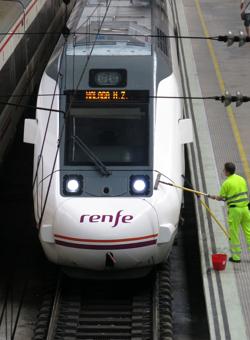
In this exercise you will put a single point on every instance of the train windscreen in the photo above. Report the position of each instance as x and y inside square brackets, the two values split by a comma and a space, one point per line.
[114, 134]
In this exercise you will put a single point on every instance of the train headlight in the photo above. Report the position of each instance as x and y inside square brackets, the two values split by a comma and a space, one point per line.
[139, 185]
[72, 185]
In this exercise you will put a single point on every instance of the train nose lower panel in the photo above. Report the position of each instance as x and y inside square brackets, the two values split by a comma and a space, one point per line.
[102, 236]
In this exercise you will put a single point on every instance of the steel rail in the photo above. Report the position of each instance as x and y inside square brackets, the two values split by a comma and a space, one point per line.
[55, 310]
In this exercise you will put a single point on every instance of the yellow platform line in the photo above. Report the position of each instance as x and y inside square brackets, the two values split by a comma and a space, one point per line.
[230, 112]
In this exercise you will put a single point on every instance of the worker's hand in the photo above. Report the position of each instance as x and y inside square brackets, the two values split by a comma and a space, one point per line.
[212, 197]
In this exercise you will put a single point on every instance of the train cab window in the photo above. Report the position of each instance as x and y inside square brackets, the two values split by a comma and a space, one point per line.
[116, 135]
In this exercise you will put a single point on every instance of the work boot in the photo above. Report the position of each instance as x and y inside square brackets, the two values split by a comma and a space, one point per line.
[231, 259]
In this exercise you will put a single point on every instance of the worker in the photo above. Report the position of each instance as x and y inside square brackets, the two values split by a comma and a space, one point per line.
[235, 193]
[245, 14]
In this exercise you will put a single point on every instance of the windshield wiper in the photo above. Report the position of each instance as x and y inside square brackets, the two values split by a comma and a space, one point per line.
[99, 164]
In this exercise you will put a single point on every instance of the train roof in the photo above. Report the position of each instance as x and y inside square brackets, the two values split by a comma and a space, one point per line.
[120, 11]
[118, 33]
[125, 31]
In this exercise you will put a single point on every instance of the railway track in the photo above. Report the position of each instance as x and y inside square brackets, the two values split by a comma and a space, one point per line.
[135, 309]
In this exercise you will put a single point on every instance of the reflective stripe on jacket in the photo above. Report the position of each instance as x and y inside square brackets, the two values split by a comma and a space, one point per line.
[234, 191]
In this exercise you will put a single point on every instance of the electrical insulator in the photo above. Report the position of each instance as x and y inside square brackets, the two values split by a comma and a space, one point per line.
[230, 38]
[242, 38]
[239, 98]
[227, 98]
[65, 32]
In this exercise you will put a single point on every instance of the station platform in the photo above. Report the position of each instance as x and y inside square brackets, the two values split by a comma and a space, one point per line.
[221, 135]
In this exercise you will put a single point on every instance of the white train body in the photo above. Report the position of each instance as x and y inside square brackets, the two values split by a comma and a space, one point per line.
[97, 211]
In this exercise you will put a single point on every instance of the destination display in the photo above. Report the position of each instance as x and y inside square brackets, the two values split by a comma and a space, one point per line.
[115, 95]
[81, 97]
[106, 95]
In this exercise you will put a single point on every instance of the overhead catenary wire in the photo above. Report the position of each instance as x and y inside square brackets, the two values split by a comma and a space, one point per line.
[32, 107]
[68, 110]
[230, 37]
[65, 32]
[75, 33]
[65, 35]
[227, 98]
[155, 97]
[49, 116]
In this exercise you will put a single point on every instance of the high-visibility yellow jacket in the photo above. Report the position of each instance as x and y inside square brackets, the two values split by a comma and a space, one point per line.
[234, 191]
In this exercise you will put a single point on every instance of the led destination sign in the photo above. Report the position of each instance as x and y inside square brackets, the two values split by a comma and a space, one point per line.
[105, 95]
[115, 96]
[81, 97]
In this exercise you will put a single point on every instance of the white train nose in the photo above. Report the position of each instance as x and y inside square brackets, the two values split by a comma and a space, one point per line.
[103, 234]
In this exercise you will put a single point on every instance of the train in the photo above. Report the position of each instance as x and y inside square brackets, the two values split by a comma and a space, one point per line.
[109, 129]
[25, 48]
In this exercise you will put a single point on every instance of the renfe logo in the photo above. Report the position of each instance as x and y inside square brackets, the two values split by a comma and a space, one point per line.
[107, 218]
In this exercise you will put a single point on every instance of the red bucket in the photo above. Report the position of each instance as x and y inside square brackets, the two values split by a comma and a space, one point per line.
[219, 261]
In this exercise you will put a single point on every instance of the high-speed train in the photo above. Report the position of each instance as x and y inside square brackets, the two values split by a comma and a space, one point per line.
[105, 131]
